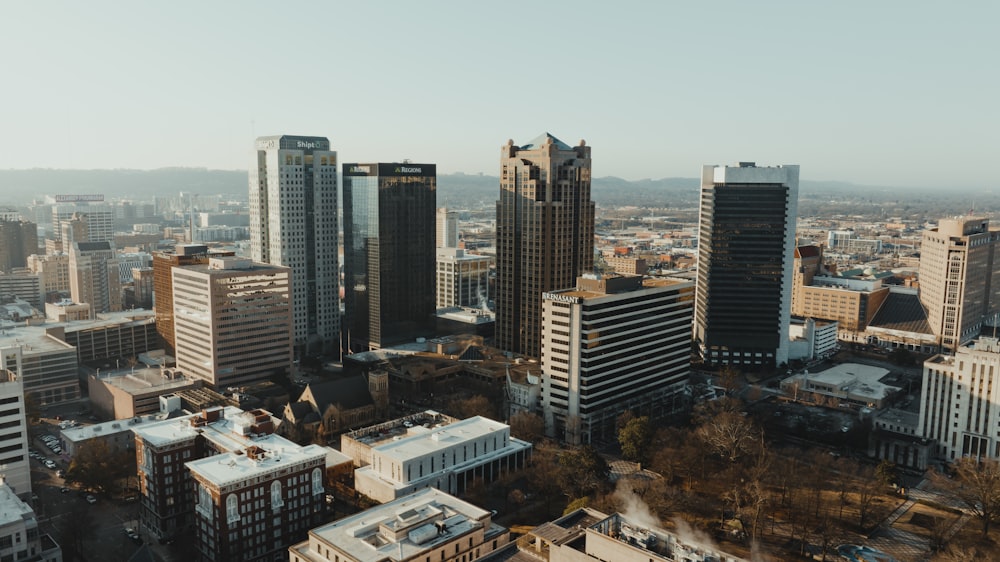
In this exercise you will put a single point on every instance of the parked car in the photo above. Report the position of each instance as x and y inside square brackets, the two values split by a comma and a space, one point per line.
[132, 534]
[91, 499]
[50, 465]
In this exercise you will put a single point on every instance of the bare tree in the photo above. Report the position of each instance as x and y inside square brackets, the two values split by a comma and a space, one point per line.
[977, 485]
[730, 434]
[527, 426]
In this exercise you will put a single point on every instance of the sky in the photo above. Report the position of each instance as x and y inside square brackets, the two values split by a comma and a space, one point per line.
[889, 93]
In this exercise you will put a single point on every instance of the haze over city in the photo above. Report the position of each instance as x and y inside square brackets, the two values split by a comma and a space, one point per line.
[888, 93]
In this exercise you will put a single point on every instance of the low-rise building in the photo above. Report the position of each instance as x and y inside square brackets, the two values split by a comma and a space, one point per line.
[126, 393]
[117, 434]
[446, 457]
[47, 365]
[848, 383]
[20, 536]
[424, 525]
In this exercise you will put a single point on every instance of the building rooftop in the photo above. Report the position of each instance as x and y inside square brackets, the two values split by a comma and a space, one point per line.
[397, 428]
[85, 432]
[263, 456]
[141, 381]
[402, 529]
[428, 440]
[902, 311]
[32, 340]
[12, 509]
[542, 139]
[229, 432]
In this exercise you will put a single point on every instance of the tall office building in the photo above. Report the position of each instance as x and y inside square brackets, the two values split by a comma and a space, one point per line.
[545, 234]
[610, 345]
[94, 277]
[53, 269]
[462, 279]
[99, 219]
[293, 222]
[18, 240]
[746, 244]
[232, 321]
[15, 471]
[960, 278]
[389, 255]
[447, 228]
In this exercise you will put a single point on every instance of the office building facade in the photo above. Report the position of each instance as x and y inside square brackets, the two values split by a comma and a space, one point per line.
[18, 240]
[462, 279]
[610, 345]
[163, 287]
[98, 223]
[232, 321]
[545, 234]
[293, 223]
[447, 228]
[959, 398]
[746, 244]
[13, 418]
[960, 278]
[94, 277]
[389, 252]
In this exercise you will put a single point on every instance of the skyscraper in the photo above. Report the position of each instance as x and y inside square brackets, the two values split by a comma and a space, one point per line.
[960, 278]
[447, 228]
[94, 277]
[18, 240]
[389, 252]
[545, 233]
[746, 244]
[293, 222]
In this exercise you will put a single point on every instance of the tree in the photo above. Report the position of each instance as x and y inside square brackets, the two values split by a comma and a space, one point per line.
[576, 504]
[730, 434]
[527, 426]
[97, 467]
[477, 405]
[583, 471]
[32, 411]
[635, 437]
[977, 485]
[886, 472]
[516, 498]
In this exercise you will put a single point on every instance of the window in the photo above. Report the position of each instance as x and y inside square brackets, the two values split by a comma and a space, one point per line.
[232, 509]
[317, 481]
[276, 501]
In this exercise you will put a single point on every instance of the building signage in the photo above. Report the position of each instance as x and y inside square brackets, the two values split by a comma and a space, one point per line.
[360, 169]
[408, 170]
[77, 198]
[561, 298]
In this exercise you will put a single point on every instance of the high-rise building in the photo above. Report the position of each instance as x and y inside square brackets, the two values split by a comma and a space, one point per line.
[545, 234]
[21, 537]
[94, 277]
[447, 228]
[232, 321]
[18, 240]
[53, 269]
[99, 220]
[960, 278]
[389, 255]
[610, 345]
[16, 470]
[163, 286]
[746, 245]
[293, 223]
[462, 279]
[958, 403]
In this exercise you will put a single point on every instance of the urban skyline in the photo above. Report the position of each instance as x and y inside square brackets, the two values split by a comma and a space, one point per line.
[886, 94]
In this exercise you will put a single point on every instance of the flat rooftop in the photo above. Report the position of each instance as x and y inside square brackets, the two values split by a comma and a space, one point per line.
[12, 509]
[266, 455]
[402, 529]
[32, 340]
[223, 432]
[142, 381]
[85, 432]
[420, 443]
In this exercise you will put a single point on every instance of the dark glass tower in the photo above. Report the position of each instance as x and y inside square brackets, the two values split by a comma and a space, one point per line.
[389, 253]
[746, 242]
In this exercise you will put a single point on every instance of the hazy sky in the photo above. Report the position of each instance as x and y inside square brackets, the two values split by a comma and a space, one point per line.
[875, 92]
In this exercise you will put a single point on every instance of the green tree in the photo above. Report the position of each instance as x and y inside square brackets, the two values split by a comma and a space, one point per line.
[576, 504]
[635, 438]
[885, 472]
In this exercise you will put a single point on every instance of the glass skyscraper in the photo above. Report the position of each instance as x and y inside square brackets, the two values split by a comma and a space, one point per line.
[389, 253]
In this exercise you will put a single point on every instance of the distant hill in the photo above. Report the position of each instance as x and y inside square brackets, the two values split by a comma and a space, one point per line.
[468, 190]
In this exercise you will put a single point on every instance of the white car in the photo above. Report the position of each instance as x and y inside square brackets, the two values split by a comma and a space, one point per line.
[91, 499]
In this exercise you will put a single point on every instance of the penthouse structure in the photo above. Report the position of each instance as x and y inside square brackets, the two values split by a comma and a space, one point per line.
[960, 278]
[190, 466]
[232, 321]
[425, 525]
[960, 394]
[745, 249]
[613, 344]
[444, 457]
[544, 233]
